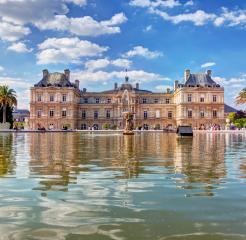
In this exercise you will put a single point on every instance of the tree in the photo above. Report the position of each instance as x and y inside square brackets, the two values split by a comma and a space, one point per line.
[7, 98]
[241, 98]
[9, 115]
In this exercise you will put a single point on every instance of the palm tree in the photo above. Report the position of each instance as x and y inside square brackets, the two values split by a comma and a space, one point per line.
[241, 98]
[7, 98]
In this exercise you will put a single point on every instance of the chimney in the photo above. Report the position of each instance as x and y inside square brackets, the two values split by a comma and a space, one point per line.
[45, 72]
[209, 73]
[137, 85]
[168, 90]
[77, 83]
[67, 74]
[115, 86]
[176, 83]
[84, 90]
[186, 74]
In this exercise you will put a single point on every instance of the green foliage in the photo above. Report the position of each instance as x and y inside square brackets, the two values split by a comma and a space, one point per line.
[113, 127]
[157, 126]
[66, 126]
[232, 116]
[106, 126]
[7, 99]
[240, 123]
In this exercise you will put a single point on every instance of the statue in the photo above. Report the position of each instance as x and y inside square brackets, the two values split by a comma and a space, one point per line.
[129, 124]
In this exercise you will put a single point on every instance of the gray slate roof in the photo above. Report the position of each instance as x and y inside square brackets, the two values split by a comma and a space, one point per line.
[229, 109]
[201, 79]
[55, 79]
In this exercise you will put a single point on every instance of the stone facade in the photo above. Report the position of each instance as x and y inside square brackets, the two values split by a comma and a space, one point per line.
[57, 103]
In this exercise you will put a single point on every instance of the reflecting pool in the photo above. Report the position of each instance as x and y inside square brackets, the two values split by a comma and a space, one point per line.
[108, 186]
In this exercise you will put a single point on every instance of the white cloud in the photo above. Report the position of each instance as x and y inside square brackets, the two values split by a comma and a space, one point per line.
[208, 64]
[1, 68]
[156, 3]
[121, 62]
[97, 64]
[103, 76]
[143, 52]
[148, 28]
[19, 47]
[31, 11]
[12, 32]
[231, 18]
[77, 2]
[92, 65]
[234, 82]
[198, 18]
[14, 82]
[189, 3]
[163, 87]
[67, 50]
[84, 26]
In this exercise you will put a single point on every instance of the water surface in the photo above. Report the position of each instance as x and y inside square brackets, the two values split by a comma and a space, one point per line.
[97, 186]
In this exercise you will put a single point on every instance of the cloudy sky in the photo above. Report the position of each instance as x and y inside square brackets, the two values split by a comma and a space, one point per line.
[156, 40]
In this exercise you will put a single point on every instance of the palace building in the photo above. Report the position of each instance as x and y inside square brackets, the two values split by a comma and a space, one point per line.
[57, 103]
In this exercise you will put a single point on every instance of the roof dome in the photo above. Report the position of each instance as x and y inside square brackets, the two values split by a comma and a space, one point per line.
[55, 79]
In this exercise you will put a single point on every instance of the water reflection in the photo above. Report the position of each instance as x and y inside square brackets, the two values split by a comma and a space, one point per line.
[7, 163]
[100, 186]
[62, 157]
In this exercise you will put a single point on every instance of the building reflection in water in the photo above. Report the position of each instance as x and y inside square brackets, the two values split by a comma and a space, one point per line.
[201, 160]
[7, 162]
[62, 157]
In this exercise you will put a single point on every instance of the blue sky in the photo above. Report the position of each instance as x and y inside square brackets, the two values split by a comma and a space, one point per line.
[156, 40]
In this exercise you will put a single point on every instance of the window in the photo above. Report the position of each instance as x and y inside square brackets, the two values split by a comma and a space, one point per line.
[108, 114]
[39, 113]
[214, 113]
[157, 114]
[64, 112]
[144, 100]
[156, 100]
[52, 113]
[51, 98]
[86, 100]
[83, 114]
[64, 97]
[202, 114]
[39, 98]
[167, 100]
[170, 114]
[97, 100]
[214, 98]
[189, 113]
[109, 100]
[201, 99]
[83, 127]
[189, 97]
[145, 114]
[95, 114]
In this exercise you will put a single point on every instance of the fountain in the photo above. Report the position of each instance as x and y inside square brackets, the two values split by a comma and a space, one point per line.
[128, 116]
